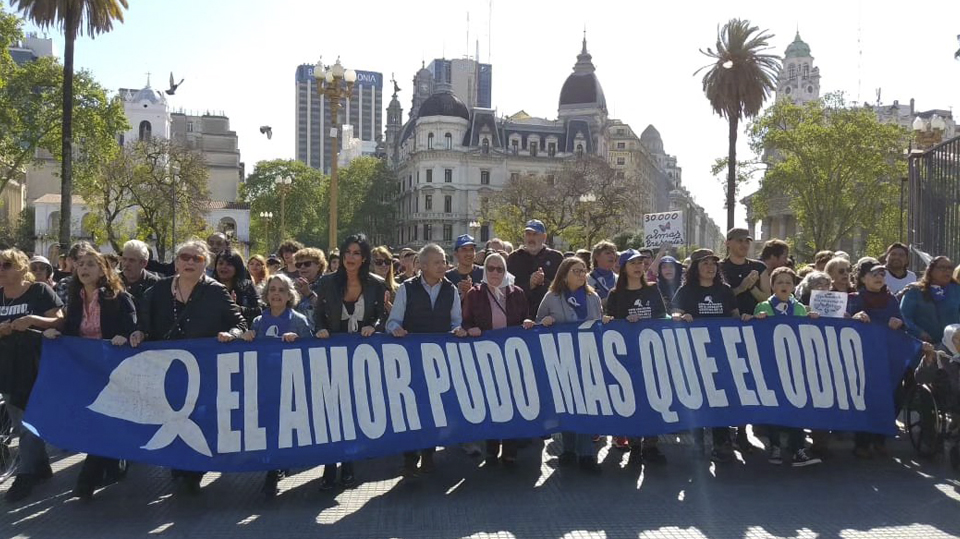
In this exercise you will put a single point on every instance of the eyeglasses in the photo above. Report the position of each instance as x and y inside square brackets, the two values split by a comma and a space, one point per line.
[843, 271]
[578, 271]
[6, 265]
[495, 269]
[187, 257]
[380, 262]
[304, 264]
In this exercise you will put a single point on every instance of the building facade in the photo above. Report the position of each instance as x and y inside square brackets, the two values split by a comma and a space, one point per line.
[471, 81]
[363, 110]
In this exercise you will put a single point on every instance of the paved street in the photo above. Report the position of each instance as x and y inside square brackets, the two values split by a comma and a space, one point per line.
[897, 498]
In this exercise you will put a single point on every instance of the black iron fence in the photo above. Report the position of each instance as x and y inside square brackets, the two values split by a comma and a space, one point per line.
[933, 200]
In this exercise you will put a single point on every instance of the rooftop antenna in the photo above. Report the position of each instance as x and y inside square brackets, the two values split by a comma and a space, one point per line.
[489, 31]
[859, 47]
[467, 51]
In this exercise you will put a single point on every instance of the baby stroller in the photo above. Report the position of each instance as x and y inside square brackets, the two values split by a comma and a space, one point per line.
[932, 407]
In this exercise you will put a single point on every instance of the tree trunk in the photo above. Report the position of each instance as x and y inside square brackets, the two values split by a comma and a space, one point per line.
[66, 161]
[732, 170]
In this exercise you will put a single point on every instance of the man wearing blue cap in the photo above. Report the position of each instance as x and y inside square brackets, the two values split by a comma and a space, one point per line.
[466, 274]
[534, 265]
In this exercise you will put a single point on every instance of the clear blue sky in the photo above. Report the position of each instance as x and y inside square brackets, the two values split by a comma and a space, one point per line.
[239, 57]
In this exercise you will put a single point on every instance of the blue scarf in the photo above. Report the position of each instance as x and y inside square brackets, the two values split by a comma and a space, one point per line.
[938, 292]
[578, 301]
[782, 308]
[606, 280]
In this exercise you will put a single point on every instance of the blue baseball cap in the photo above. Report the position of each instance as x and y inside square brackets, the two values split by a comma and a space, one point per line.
[463, 240]
[631, 254]
[535, 225]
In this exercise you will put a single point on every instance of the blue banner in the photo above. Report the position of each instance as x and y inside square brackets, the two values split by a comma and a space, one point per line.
[203, 405]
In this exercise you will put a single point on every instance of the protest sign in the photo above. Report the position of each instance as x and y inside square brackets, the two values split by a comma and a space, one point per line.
[660, 228]
[828, 304]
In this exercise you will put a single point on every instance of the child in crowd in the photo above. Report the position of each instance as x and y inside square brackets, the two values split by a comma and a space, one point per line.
[782, 303]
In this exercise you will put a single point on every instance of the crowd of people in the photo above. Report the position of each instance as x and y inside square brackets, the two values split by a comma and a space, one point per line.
[209, 291]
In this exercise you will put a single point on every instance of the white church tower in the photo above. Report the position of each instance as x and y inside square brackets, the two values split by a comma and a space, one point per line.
[799, 80]
[147, 113]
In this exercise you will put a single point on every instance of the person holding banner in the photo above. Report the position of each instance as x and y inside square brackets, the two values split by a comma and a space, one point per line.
[189, 305]
[349, 301]
[669, 279]
[603, 277]
[571, 299]
[491, 304]
[933, 303]
[99, 308]
[382, 264]
[231, 273]
[783, 303]
[534, 265]
[426, 303]
[634, 299]
[310, 265]
[704, 294]
[25, 304]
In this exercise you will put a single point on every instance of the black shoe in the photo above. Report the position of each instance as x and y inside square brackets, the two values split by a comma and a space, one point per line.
[347, 480]
[269, 488]
[653, 455]
[45, 473]
[84, 491]
[568, 458]
[327, 483]
[801, 459]
[191, 485]
[509, 462]
[426, 463]
[589, 465]
[721, 456]
[21, 488]
[636, 457]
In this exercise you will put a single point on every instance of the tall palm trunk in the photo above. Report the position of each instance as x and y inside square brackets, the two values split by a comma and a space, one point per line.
[732, 169]
[66, 169]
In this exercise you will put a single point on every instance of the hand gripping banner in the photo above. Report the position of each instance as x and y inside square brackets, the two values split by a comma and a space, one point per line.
[203, 405]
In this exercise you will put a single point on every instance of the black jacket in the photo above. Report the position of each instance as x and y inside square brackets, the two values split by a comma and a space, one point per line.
[139, 288]
[20, 353]
[118, 316]
[208, 312]
[248, 300]
[329, 304]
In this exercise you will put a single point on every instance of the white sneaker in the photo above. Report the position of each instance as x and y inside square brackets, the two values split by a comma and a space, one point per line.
[775, 457]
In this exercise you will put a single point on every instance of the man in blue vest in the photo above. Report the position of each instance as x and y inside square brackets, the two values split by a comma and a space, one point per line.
[427, 303]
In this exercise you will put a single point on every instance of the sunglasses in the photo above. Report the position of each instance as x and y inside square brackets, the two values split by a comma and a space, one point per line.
[879, 273]
[304, 264]
[380, 262]
[843, 271]
[187, 257]
[495, 269]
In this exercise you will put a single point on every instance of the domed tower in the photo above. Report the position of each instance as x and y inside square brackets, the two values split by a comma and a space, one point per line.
[423, 88]
[799, 80]
[582, 99]
[146, 112]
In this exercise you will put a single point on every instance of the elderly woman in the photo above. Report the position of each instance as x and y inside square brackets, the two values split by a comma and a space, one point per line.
[99, 308]
[25, 305]
[933, 303]
[230, 272]
[571, 299]
[188, 305]
[838, 268]
[310, 263]
[491, 304]
[349, 301]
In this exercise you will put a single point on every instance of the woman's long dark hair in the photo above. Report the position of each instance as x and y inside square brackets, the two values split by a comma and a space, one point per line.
[236, 260]
[669, 287]
[692, 276]
[364, 272]
[623, 281]
[927, 278]
[109, 283]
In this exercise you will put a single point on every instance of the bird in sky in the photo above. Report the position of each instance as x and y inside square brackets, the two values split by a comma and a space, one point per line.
[173, 87]
[266, 130]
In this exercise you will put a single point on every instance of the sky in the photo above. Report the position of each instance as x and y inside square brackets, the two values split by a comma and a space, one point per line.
[239, 58]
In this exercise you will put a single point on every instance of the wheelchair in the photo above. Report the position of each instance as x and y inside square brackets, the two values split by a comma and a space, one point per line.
[931, 418]
[7, 453]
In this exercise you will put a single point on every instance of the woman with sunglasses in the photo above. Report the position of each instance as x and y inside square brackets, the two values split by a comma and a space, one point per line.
[229, 271]
[42, 270]
[309, 263]
[349, 301]
[571, 299]
[495, 303]
[838, 268]
[188, 305]
[24, 305]
[933, 303]
[101, 309]
[383, 266]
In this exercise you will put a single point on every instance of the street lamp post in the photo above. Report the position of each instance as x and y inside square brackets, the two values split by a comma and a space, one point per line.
[266, 216]
[335, 83]
[282, 185]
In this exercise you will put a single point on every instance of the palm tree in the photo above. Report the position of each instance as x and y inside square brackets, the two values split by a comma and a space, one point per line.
[72, 17]
[737, 83]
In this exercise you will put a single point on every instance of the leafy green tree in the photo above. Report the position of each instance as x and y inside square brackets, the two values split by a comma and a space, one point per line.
[110, 196]
[305, 220]
[839, 166]
[376, 215]
[73, 17]
[737, 82]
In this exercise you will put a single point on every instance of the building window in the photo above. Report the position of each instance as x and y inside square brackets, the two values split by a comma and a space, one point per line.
[485, 233]
[806, 70]
[619, 130]
[448, 175]
[447, 232]
[515, 146]
[416, 232]
[426, 232]
[428, 202]
[621, 145]
[579, 150]
[533, 149]
[552, 149]
[429, 175]
[792, 71]
[189, 127]
[486, 146]
[146, 131]
[448, 140]
[430, 141]
[621, 161]
[448, 204]
[484, 177]
[514, 176]
[551, 179]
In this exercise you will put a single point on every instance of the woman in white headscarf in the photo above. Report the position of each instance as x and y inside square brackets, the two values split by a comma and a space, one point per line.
[496, 303]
